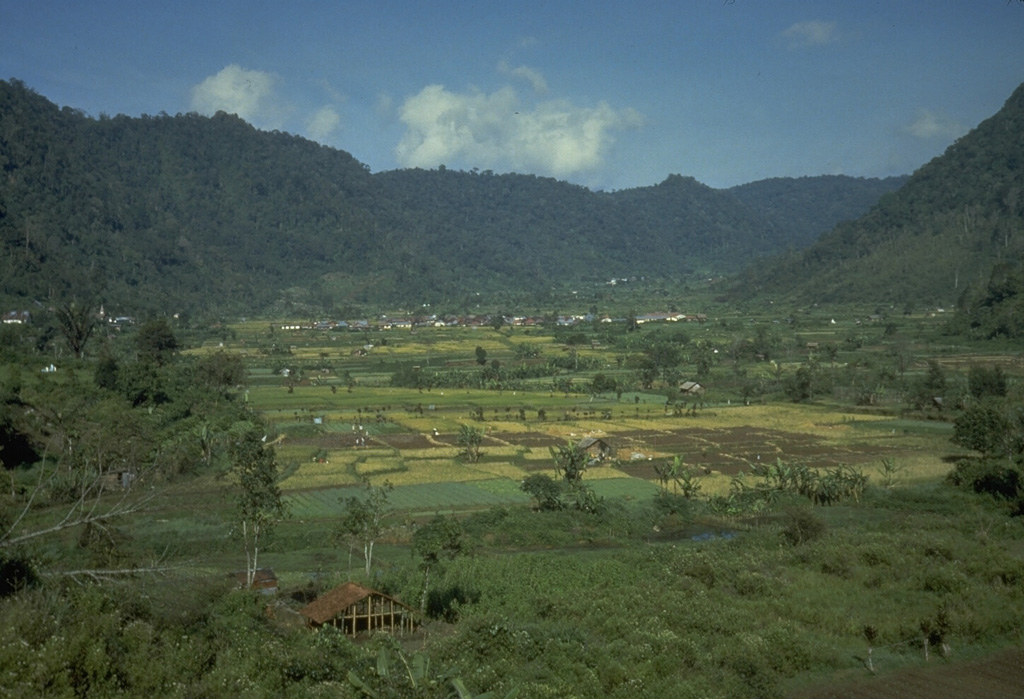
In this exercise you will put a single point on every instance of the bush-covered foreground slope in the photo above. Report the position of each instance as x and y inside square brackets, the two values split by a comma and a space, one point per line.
[615, 609]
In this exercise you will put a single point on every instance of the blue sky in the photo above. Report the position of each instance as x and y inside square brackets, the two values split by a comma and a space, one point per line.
[610, 95]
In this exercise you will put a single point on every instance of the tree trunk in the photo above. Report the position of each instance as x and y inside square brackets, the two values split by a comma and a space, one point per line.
[248, 554]
[426, 584]
[368, 555]
[255, 553]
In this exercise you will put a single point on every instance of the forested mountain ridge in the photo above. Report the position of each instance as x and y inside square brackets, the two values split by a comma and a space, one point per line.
[938, 240]
[167, 212]
[161, 214]
[807, 206]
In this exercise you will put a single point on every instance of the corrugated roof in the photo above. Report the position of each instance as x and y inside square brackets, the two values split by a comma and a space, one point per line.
[333, 602]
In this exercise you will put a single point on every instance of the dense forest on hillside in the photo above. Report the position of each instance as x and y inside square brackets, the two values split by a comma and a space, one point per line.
[806, 206]
[167, 213]
[936, 240]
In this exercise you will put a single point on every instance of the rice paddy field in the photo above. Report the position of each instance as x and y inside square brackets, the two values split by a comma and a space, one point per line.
[339, 422]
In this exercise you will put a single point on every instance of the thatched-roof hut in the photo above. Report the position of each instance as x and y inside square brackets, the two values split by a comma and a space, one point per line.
[354, 609]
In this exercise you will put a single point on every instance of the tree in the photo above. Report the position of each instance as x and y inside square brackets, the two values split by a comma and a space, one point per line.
[220, 370]
[570, 462]
[77, 322]
[364, 518]
[985, 427]
[88, 483]
[646, 369]
[704, 358]
[682, 478]
[92, 504]
[440, 538]
[470, 439]
[259, 503]
[832, 352]
[546, 491]
[663, 356]
[602, 383]
[156, 342]
[986, 381]
[935, 380]
[481, 355]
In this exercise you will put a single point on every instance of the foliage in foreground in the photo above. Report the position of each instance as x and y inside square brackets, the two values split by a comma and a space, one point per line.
[657, 614]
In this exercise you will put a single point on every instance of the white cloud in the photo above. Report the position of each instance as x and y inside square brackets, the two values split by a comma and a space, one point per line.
[931, 125]
[810, 33]
[323, 123]
[246, 93]
[496, 131]
[536, 80]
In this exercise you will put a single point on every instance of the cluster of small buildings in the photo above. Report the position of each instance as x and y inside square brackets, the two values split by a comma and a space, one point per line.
[17, 318]
[480, 321]
[669, 318]
[25, 317]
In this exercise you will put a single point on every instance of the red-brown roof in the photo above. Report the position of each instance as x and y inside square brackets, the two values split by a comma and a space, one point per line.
[333, 602]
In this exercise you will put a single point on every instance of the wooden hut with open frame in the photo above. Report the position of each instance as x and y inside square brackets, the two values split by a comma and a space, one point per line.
[355, 609]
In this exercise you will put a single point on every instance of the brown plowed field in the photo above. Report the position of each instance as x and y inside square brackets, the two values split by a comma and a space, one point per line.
[727, 451]
[407, 441]
[1000, 676]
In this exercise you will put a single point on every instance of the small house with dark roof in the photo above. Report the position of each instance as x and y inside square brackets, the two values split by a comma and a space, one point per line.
[595, 448]
[691, 388]
[355, 609]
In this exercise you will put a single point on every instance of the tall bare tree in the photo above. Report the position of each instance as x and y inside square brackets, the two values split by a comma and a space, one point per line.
[77, 322]
[260, 504]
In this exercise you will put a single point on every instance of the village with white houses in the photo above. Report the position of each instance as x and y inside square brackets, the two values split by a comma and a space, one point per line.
[410, 322]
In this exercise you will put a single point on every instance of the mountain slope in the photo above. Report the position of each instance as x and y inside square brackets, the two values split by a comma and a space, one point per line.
[807, 207]
[955, 219]
[160, 214]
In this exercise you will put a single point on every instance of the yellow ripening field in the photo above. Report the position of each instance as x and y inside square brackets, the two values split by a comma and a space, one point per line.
[805, 419]
[320, 475]
[432, 471]
[510, 426]
[433, 453]
[536, 455]
[372, 466]
[510, 450]
[348, 456]
[598, 473]
[914, 467]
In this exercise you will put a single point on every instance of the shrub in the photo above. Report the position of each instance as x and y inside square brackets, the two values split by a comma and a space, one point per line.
[16, 573]
[545, 490]
[752, 584]
[445, 603]
[802, 526]
[990, 476]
